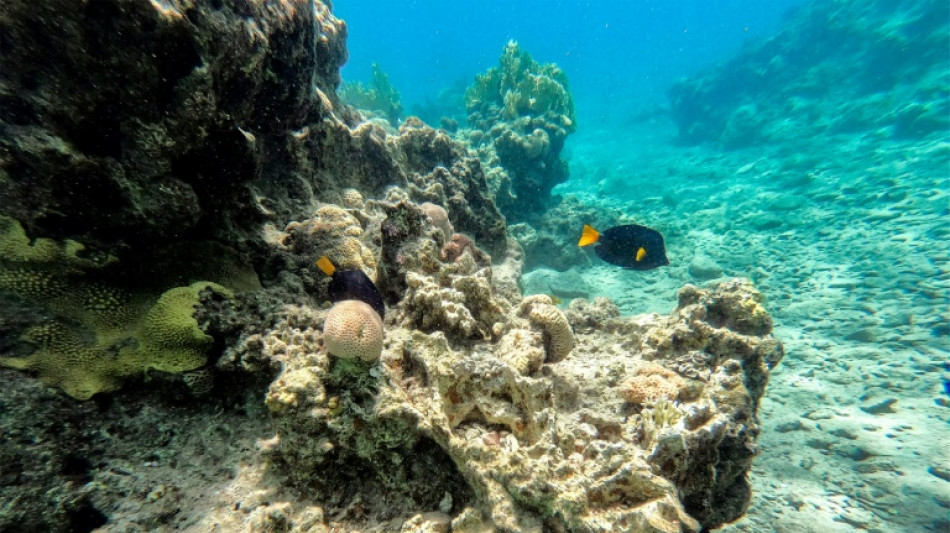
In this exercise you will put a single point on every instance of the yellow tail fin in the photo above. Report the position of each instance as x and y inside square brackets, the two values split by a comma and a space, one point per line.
[589, 236]
[326, 265]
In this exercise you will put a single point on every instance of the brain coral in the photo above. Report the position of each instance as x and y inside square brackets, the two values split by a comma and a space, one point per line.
[558, 335]
[353, 330]
[439, 217]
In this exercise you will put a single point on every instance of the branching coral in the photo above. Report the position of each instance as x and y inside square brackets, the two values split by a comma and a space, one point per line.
[521, 87]
[522, 113]
[379, 96]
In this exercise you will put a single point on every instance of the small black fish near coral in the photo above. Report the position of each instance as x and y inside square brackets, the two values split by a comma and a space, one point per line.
[352, 285]
[633, 247]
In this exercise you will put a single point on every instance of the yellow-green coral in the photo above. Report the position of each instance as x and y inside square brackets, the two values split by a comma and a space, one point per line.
[83, 360]
[170, 336]
[63, 358]
[100, 335]
[16, 247]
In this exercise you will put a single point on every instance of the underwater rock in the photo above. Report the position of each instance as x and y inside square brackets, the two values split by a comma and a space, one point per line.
[442, 171]
[152, 133]
[332, 232]
[545, 236]
[522, 443]
[703, 268]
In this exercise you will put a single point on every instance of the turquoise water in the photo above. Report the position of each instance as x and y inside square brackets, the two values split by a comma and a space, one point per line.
[808, 151]
[619, 56]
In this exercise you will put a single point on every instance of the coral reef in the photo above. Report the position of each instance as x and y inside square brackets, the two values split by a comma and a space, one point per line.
[475, 409]
[531, 444]
[521, 113]
[441, 171]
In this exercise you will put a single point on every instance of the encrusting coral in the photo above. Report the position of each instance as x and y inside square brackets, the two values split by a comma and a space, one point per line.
[90, 358]
[652, 382]
[353, 330]
[100, 335]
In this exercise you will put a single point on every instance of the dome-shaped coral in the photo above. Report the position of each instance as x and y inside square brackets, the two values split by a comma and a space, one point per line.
[439, 217]
[353, 330]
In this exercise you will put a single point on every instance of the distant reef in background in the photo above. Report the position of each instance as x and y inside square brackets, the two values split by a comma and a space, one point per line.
[835, 67]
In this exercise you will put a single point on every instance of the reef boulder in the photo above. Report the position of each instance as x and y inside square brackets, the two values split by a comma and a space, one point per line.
[647, 424]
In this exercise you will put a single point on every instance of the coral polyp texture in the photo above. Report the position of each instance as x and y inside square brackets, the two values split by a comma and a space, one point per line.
[353, 330]
[559, 338]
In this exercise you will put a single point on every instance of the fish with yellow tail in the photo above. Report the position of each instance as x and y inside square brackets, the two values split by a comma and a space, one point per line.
[351, 285]
[633, 247]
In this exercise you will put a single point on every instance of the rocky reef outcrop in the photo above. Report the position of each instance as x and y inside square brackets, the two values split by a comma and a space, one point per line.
[777, 90]
[169, 173]
[505, 436]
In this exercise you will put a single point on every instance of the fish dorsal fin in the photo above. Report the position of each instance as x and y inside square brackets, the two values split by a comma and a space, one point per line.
[588, 236]
[641, 253]
[326, 265]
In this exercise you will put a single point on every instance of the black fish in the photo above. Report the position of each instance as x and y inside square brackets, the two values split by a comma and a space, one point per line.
[633, 246]
[352, 285]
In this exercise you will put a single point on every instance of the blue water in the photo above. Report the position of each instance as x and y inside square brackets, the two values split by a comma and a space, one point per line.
[618, 55]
